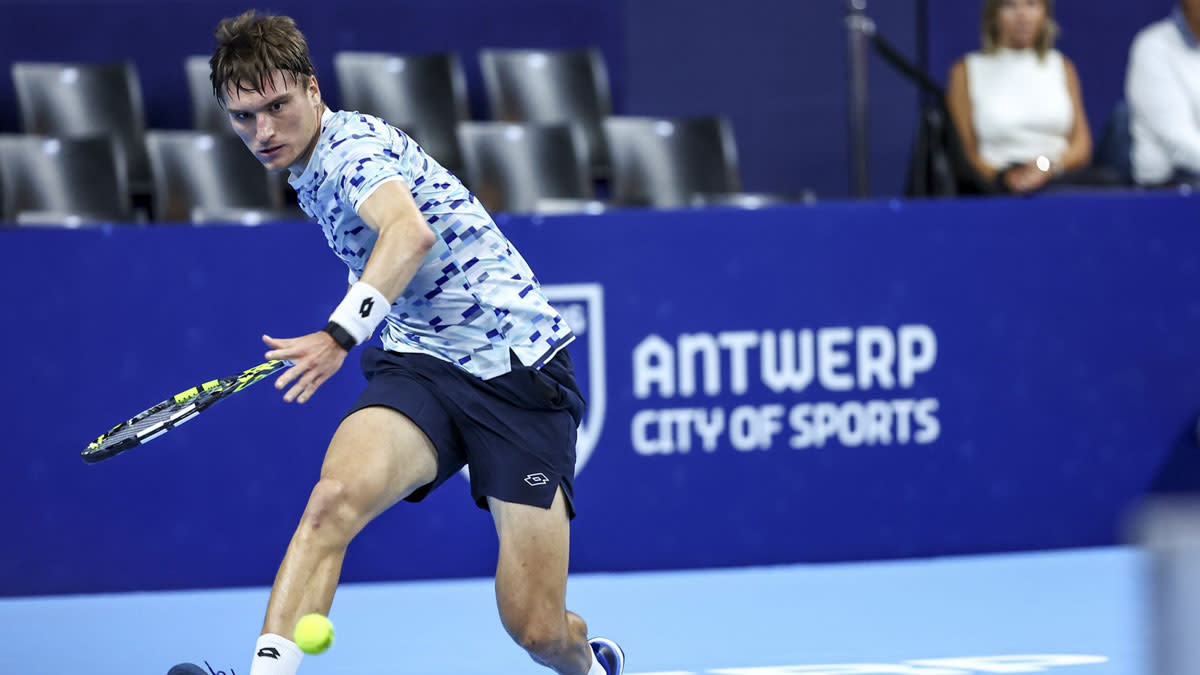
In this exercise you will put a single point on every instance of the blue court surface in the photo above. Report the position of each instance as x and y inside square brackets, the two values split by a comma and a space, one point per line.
[1074, 612]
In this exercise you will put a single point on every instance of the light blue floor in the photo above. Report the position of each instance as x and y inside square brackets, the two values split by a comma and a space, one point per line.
[889, 618]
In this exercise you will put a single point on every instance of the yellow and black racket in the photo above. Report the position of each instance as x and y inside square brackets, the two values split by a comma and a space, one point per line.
[174, 411]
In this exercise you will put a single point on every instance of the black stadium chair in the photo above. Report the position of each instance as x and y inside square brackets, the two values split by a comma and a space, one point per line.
[207, 114]
[667, 162]
[424, 95]
[87, 99]
[551, 86]
[201, 177]
[61, 181]
[511, 166]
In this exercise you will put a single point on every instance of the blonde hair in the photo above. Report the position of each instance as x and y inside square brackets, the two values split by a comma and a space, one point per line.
[990, 28]
[251, 46]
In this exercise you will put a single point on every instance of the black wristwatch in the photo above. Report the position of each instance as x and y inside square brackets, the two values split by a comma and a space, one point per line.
[345, 340]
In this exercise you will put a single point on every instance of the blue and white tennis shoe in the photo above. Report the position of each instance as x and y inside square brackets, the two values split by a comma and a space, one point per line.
[609, 654]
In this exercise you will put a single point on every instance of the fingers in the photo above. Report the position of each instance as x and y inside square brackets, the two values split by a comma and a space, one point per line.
[280, 348]
[305, 388]
[316, 358]
[307, 380]
[288, 375]
[310, 379]
[1024, 181]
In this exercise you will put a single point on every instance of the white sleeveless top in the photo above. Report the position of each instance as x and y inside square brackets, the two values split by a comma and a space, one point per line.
[1020, 105]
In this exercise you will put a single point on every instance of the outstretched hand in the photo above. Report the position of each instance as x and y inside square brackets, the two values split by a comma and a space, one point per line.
[317, 358]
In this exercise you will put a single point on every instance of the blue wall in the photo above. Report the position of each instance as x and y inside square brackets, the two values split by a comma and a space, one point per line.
[778, 68]
[1036, 368]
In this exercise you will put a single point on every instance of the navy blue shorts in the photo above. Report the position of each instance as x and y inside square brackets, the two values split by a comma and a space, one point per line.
[515, 432]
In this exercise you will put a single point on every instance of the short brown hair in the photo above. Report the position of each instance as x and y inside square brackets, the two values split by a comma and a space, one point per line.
[252, 46]
[1044, 41]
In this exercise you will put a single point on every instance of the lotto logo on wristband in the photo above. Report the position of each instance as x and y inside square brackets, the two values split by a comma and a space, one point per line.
[360, 312]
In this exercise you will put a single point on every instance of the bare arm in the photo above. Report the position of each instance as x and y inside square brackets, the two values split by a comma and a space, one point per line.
[1079, 148]
[958, 103]
[404, 238]
[404, 241]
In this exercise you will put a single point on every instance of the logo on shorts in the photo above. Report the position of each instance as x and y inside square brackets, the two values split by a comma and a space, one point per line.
[536, 479]
[582, 305]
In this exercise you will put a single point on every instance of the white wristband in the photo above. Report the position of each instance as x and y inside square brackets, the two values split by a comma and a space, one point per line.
[361, 311]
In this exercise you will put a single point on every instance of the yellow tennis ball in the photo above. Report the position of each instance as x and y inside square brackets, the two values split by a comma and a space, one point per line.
[313, 634]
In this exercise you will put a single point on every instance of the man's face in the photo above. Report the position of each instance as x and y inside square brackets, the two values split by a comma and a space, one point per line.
[281, 123]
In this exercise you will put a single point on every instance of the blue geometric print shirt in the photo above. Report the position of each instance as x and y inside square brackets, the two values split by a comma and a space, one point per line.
[474, 298]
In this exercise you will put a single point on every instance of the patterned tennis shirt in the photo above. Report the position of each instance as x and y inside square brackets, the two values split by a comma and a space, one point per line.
[474, 298]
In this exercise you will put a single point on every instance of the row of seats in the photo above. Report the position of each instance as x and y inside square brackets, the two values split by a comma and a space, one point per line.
[197, 177]
[512, 167]
[560, 140]
[424, 94]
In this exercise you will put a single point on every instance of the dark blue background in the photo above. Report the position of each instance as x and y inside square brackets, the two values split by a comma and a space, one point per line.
[777, 68]
[1066, 376]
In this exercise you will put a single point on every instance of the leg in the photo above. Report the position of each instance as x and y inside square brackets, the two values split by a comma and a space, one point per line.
[531, 584]
[376, 458]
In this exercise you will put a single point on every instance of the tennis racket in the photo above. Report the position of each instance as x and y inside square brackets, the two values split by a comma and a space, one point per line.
[174, 411]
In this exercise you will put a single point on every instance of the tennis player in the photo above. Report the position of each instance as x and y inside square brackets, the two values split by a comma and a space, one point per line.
[474, 368]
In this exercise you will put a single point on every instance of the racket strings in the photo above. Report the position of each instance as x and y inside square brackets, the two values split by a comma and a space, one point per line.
[173, 412]
[169, 416]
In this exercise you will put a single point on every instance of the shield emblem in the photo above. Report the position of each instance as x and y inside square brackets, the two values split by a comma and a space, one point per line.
[582, 305]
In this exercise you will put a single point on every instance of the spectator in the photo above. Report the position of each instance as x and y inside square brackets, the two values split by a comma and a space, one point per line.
[1162, 87]
[1017, 104]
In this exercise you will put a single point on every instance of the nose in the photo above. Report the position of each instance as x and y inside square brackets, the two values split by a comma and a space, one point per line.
[263, 128]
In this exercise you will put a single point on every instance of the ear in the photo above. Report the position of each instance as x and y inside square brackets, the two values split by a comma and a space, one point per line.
[314, 90]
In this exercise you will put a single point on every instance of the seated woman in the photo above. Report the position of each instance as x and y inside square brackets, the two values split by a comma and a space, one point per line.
[1017, 104]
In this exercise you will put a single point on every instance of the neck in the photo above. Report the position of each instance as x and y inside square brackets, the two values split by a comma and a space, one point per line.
[1015, 47]
[301, 164]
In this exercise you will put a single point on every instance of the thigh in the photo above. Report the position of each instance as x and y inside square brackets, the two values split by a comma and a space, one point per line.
[416, 386]
[531, 573]
[380, 456]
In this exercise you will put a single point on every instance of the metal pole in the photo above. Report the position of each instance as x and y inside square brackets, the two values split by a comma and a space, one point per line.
[859, 28]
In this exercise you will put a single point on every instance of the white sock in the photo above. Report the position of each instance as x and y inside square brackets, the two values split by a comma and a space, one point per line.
[275, 655]
[596, 668]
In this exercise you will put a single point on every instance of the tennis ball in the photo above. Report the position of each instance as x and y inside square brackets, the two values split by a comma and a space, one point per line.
[313, 634]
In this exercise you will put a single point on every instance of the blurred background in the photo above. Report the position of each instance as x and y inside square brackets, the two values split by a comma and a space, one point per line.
[815, 327]
[778, 70]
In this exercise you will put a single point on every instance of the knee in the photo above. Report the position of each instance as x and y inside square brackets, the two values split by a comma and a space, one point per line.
[330, 512]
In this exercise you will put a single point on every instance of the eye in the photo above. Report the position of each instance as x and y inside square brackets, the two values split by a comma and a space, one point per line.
[241, 116]
[276, 107]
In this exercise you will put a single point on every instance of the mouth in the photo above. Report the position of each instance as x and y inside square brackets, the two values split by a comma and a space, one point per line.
[270, 152]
